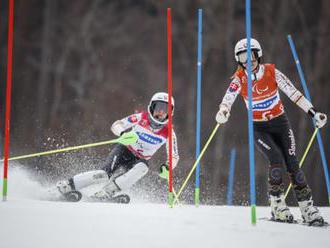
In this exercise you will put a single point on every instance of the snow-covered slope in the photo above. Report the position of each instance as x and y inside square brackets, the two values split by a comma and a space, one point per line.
[26, 222]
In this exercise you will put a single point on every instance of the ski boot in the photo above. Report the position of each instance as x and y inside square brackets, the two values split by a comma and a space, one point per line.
[67, 190]
[110, 193]
[310, 214]
[280, 211]
[73, 196]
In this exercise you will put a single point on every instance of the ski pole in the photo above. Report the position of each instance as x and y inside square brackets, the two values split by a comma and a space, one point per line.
[196, 162]
[318, 136]
[125, 139]
[303, 158]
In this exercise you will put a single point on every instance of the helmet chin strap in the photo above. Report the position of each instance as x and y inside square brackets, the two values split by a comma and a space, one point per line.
[254, 72]
[256, 69]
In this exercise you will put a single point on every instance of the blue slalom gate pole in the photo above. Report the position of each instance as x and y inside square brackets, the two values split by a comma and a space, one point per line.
[319, 137]
[250, 114]
[199, 102]
[231, 177]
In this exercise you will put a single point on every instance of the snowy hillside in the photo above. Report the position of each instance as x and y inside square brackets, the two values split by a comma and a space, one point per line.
[27, 222]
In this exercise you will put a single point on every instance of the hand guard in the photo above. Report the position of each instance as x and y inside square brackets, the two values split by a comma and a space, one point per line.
[163, 171]
[222, 115]
[320, 119]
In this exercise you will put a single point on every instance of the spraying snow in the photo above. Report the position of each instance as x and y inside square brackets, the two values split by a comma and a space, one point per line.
[28, 222]
[22, 184]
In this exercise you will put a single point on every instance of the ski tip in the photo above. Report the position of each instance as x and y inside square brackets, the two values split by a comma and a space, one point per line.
[119, 199]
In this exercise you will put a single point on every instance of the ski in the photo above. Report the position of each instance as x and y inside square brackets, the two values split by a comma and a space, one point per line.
[53, 194]
[121, 199]
[76, 196]
[316, 223]
[322, 224]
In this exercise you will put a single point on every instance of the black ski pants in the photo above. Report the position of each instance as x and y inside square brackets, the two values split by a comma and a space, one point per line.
[120, 157]
[275, 139]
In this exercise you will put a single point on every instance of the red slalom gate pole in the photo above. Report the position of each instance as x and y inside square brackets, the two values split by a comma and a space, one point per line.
[8, 96]
[169, 77]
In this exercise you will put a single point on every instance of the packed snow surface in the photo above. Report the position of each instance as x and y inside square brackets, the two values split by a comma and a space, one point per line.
[26, 221]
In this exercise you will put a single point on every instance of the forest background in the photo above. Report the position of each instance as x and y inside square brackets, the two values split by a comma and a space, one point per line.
[81, 65]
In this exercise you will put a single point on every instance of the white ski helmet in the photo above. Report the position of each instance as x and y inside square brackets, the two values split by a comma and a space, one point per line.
[241, 46]
[158, 100]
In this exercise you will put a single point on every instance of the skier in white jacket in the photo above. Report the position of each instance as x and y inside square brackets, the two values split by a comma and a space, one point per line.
[127, 164]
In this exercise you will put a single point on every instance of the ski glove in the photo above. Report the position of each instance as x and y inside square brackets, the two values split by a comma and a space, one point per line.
[163, 171]
[320, 119]
[222, 115]
[128, 138]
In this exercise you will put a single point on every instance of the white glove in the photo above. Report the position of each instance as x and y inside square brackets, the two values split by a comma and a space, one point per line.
[222, 115]
[320, 119]
[118, 128]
